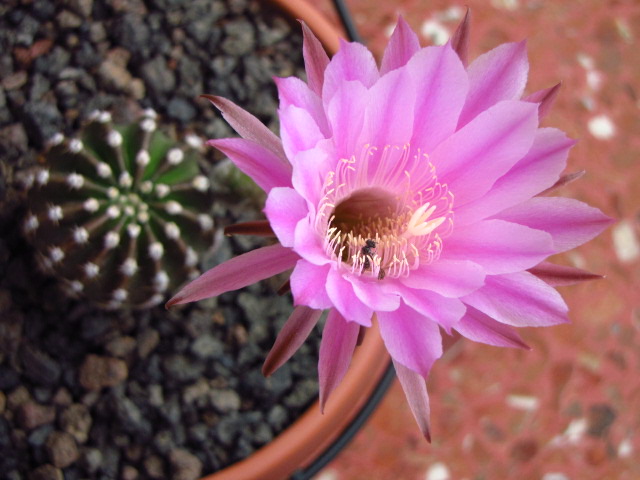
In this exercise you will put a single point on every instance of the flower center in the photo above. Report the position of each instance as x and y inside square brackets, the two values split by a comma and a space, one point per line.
[384, 213]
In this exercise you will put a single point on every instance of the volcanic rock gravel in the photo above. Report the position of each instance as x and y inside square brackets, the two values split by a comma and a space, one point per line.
[86, 393]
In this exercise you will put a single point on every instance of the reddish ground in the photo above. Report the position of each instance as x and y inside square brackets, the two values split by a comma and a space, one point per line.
[569, 409]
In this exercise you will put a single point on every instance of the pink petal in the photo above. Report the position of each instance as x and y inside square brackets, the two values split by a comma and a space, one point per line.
[446, 312]
[411, 339]
[442, 87]
[498, 246]
[570, 222]
[478, 327]
[449, 278]
[345, 112]
[372, 294]
[298, 129]
[285, 208]
[415, 389]
[545, 98]
[236, 273]
[345, 300]
[539, 169]
[309, 285]
[352, 62]
[402, 45]
[500, 74]
[248, 126]
[310, 169]
[315, 59]
[565, 179]
[307, 243]
[389, 114]
[293, 91]
[460, 38]
[256, 161]
[293, 334]
[336, 349]
[473, 158]
[519, 299]
[560, 275]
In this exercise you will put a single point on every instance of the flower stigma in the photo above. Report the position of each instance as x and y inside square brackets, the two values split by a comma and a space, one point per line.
[384, 213]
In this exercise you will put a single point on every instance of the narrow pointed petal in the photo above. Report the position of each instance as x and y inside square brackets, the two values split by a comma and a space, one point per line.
[315, 59]
[460, 38]
[339, 339]
[293, 334]
[346, 301]
[402, 45]
[260, 164]
[500, 74]
[415, 389]
[520, 300]
[260, 228]
[442, 86]
[473, 158]
[499, 246]
[564, 180]
[284, 209]
[569, 222]
[478, 327]
[449, 278]
[308, 285]
[545, 98]
[411, 338]
[248, 126]
[539, 169]
[236, 273]
[561, 275]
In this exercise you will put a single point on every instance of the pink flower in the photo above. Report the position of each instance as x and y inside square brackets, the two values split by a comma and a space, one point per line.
[408, 193]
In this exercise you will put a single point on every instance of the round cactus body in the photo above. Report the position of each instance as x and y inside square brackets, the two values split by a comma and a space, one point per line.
[120, 213]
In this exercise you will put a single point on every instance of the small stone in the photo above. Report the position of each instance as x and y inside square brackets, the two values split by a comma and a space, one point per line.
[147, 340]
[129, 473]
[98, 372]
[158, 76]
[207, 346]
[181, 369]
[62, 449]
[46, 472]
[39, 366]
[3, 402]
[131, 417]
[121, 346]
[32, 415]
[76, 421]
[38, 436]
[15, 80]
[240, 38]
[154, 467]
[225, 401]
[67, 20]
[19, 396]
[82, 7]
[62, 397]
[181, 109]
[92, 459]
[185, 465]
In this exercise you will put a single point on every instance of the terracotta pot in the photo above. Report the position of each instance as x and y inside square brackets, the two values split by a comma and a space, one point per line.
[315, 435]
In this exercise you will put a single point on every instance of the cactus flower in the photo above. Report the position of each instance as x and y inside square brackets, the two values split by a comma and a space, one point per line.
[409, 193]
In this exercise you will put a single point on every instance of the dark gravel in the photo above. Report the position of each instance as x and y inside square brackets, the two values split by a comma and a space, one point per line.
[152, 394]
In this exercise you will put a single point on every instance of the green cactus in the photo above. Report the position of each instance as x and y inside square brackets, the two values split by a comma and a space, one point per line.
[120, 214]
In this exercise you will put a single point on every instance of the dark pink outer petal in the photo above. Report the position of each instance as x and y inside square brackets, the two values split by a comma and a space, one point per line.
[411, 339]
[293, 91]
[500, 74]
[284, 208]
[402, 45]
[308, 285]
[498, 246]
[315, 59]
[561, 275]
[570, 222]
[449, 278]
[473, 158]
[352, 62]
[441, 89]
[538, 170]
[236, 273]
[460, 38]
[257, 162]
[415, 389]
[478, 327]
[293, 334]
[339, 339]
[545, 98]
[519, 299]
[345, 300]
[248, 126]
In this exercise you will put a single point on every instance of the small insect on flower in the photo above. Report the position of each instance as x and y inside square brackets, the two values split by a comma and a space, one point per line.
[366, 251]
